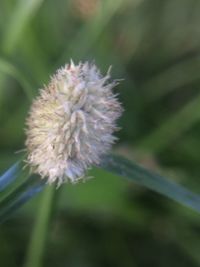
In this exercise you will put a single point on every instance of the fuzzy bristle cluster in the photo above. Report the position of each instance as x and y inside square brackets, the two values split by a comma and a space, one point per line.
[71, 122]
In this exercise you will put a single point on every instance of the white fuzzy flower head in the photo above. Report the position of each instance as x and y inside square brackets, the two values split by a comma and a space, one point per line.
[71, 123]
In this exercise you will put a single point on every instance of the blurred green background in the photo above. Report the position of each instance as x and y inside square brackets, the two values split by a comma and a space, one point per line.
[154, 45]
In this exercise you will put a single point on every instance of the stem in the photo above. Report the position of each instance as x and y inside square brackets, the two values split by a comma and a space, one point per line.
[39, 235]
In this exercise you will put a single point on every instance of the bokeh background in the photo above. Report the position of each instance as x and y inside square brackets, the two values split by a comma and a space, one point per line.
[154, 46]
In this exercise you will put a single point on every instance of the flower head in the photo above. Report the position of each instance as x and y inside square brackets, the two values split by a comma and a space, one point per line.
[71, 123]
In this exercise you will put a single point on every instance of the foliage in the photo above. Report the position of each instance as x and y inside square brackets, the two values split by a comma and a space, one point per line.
[107, 221]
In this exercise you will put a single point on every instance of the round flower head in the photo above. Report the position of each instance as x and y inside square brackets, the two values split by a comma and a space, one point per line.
[71, 122]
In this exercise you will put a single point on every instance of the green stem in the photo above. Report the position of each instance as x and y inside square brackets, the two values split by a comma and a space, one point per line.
[39, 235]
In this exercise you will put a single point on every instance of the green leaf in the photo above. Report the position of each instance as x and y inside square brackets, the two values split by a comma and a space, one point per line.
[7, 68]
[17, 186]
[91, 31]
[20, 196]
[20, 18]
[9, 176]
[155, 182]
[173, 127]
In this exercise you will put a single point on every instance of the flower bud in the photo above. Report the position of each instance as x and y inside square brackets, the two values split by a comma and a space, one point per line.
[71, 123]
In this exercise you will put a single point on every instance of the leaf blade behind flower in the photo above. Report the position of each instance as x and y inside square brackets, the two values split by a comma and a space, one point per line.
[9, 176]
[123, 167]
[19, 196]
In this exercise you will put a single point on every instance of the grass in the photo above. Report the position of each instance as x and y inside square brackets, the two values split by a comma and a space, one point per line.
[154, 46]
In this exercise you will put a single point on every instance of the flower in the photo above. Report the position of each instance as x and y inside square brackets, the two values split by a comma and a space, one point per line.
[71, 123]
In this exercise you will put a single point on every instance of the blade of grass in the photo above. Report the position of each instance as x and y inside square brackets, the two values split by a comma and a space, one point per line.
[41, 229]
[90, 32]
[25, 197]
[178, 75]
[12, 177]
[20, 18]
[123, 167]
[20, 196]
[32, 51]
[9, 176]
[173, 127]
[9, 69]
